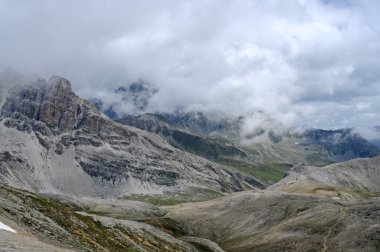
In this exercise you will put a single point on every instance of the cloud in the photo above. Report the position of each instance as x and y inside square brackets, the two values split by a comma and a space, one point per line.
[305, 62]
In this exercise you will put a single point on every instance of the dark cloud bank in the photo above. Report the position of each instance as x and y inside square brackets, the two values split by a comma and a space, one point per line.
[302, 62]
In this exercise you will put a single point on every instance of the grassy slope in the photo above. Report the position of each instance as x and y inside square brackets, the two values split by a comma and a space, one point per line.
[168, 199]
[55, 223]
[82, 231]
[267, 172]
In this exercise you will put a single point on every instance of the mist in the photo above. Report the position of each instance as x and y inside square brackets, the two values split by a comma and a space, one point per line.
[302, 62]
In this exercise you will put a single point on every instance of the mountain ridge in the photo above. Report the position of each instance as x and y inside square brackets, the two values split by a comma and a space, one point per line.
[266, 160]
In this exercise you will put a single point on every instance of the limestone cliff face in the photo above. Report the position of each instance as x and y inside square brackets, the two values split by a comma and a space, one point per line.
[60, 107]
[66, 145]
[53, 103]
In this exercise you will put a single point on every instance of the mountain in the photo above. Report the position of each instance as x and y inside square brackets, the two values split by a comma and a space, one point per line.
[210, 124]
[341, 144]
[235, 142]
[316, 147]
[73, 179]
[376, 139]
[133, 98]
[55, 142]
[210, 148]
[266, 155]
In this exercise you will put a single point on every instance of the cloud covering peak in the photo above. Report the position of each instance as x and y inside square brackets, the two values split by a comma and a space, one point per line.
[301, 61]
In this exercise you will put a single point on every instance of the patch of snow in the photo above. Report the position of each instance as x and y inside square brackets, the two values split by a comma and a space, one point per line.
[7, 228]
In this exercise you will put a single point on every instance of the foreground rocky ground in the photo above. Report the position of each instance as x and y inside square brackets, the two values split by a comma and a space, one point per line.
[330, 211]
[45, 225]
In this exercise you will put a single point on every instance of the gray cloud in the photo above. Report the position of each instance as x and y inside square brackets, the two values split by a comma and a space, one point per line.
[302, 62]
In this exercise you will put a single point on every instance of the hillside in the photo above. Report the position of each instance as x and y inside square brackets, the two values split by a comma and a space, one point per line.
[46, 225]
[334, 208]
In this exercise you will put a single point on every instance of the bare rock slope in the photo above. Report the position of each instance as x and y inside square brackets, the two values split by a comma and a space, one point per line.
[52, 141]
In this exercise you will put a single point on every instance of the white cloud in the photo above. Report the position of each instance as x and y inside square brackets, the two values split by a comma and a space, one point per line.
[308, 62]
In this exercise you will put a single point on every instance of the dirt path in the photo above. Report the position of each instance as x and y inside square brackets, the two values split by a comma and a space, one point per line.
[325, 239]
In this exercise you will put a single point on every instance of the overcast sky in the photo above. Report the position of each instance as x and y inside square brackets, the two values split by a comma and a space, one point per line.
[308, 62]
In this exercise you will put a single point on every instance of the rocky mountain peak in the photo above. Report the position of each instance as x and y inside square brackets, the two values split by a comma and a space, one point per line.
[53, 103]
[127, 100]
[60, 85]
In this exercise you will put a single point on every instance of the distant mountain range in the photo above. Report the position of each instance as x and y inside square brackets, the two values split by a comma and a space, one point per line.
[219, 141]
[62, 125]
[265, 153]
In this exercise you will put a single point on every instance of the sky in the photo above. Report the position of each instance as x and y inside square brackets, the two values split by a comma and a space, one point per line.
[303, 62]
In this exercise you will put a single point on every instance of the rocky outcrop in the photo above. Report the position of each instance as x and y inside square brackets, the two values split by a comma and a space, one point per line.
[52, 103]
